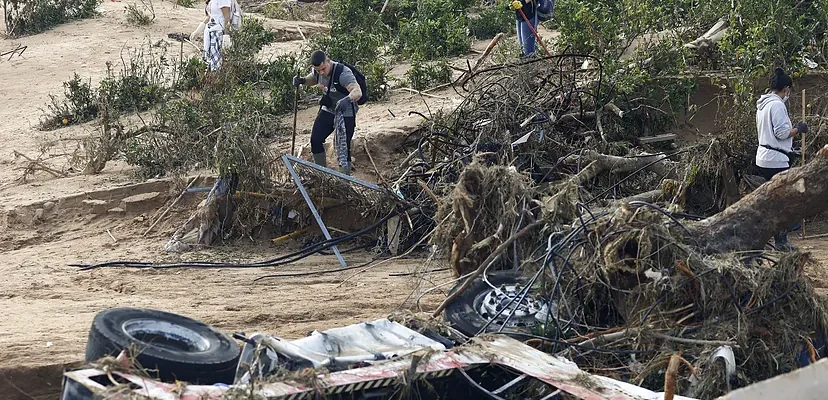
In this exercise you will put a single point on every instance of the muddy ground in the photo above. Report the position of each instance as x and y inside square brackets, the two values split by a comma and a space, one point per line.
[47, 222]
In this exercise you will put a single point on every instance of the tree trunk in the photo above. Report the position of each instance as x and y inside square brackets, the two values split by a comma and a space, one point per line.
[773, 207]
[597, 163]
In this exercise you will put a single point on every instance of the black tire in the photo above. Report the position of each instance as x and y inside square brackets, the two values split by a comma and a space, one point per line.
[461, 313]
[177, 347]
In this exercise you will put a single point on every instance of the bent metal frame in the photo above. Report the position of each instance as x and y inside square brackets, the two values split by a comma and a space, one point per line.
[289, 160]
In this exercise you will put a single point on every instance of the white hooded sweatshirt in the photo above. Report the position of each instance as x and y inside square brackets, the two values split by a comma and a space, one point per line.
[774, 127]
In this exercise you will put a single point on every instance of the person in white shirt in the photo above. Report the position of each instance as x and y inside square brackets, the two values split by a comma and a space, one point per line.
[776, 135]
[216, 29]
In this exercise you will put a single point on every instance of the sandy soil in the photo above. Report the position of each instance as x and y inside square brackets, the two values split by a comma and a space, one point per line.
[45, 224]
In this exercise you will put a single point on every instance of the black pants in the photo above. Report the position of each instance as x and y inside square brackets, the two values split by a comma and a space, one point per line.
[323, 126]
[769, 173]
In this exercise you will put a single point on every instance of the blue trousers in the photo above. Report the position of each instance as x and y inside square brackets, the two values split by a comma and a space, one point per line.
[526, 39]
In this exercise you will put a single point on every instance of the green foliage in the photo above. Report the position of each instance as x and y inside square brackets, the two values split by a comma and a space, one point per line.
[288, 11]
[279, 73]
[768, 34]
[355, 17]
[191, 74]
[135, 88]
[763, 34]
[187, 3]
[354, 49]
[642, 73]
[395, 12]
[250, 39]
[492, 20]
[437, 29]
[143, 15]
[428, 29]
[33, 16]
[424, 75]
[80, 100]
[240, 64]
[376, 78]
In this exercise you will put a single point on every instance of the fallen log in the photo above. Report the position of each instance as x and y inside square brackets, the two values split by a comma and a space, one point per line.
[776, 205]
[598, 163]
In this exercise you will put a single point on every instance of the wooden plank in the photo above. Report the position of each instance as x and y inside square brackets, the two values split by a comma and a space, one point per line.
[659, 138]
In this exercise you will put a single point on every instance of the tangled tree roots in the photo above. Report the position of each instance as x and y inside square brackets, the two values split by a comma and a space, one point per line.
[647, 260]
[633, 274]
[485, 200]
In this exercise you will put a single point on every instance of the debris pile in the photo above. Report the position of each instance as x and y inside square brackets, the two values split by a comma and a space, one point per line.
[627, 283]
[640, 261]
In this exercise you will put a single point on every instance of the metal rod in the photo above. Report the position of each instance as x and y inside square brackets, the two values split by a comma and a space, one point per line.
[334, 173]
[477, 385]
[313, 209]
[511, 383]
[295, 114]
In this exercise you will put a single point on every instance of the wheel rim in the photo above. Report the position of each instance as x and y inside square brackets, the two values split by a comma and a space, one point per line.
[526, 313]
[166, 335]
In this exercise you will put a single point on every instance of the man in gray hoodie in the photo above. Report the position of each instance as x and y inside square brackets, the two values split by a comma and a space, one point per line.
[776, 135]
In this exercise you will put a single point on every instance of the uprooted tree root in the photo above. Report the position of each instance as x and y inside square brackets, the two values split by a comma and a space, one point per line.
[484, 200]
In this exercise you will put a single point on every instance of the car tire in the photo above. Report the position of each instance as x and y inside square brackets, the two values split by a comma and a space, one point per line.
[461, 313]
[168, 346]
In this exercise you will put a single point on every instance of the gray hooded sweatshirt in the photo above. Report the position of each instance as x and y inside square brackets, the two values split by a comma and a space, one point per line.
[774, 127]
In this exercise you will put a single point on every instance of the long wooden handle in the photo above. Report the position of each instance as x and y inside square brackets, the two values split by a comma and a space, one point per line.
[295, 113]
[804, 142]
[804, 146]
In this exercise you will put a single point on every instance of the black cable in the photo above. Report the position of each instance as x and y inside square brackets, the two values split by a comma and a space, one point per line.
[292, 257]
[416, 273]
[732, 293]
[477, 385]
[349, 250]
[327, 271]
[665, 213]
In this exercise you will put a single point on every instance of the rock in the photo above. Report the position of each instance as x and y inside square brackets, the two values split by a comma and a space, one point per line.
[141, 202]
[38, 215]
[139, 218]
[116, 210]
[98, 206]
[90, 217]
[48, 205]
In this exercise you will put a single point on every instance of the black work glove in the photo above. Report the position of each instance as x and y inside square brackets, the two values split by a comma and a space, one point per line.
[343, 104]
[298, 81]
[802, 127]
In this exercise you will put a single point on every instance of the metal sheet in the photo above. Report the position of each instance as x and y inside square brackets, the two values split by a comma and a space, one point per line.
[486, 350]
[368, 341]
[809, 383]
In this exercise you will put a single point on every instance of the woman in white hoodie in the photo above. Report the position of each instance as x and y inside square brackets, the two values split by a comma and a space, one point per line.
[776, 134]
